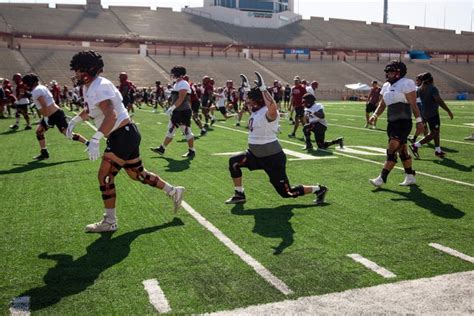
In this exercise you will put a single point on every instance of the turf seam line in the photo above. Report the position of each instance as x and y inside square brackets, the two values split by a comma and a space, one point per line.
[372, 265]
[452, 252]
[257, 266]
[156, 296]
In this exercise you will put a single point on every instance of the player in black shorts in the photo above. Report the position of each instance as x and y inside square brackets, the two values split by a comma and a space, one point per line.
[52, 114]
[431, 101]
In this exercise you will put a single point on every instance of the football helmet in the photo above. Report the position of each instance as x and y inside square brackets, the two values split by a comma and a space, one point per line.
[397, 67]
[17, 78]
[89, 64]
[30, 80]
[178, 71]
[308, 100]
[123, 77]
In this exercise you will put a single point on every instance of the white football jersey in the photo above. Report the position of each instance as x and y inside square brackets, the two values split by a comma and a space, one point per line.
[309, 113]
[42, 91]
[261, 131]
[395, 93]
[102, 89]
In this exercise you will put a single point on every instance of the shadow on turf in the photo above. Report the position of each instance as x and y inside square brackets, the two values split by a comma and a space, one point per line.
[176, 165]
[453, 164]
[427, 202]
[35, 164]
[70, 277]
[272, 222]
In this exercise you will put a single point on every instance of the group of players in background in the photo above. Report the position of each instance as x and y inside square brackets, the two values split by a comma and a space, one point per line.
[109, 106]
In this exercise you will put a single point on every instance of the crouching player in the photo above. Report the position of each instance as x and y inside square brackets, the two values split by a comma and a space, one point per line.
[52, 114]
[265, 151]
[103, 104]
[316, 123]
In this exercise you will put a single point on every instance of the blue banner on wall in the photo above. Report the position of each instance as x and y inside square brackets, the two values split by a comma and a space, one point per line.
[299, 51]
[419, 54]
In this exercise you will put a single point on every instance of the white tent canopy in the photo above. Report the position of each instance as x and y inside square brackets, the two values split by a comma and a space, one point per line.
[358, 87]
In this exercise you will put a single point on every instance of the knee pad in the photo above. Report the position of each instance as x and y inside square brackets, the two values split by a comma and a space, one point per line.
[187, 132]
[39, 136]
[404, 156]
[235, 163]
[107, 186]
[391, 156]
[108, 189]
[171, 130]
[297, 190]
[142, 175]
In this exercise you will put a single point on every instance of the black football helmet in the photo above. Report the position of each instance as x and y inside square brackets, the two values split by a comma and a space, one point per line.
[89, 63]
[398, 67]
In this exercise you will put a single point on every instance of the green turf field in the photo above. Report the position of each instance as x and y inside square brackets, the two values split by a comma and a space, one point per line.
[45, 205]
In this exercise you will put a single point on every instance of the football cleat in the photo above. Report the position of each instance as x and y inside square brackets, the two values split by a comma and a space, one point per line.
[409, 180]
[27, 127]
[291, 135]
[42, 156]
[190, 154]
[203, 132]
[366, 125]
[340, 141]
[177, 196]
[414, 151]
[376, 182]
[102, 227]
[14, 127]
[440, 154]
[308, 147]
[237, 198]
[469, 137]
[159, 150]
[237, 124]
[320, 194]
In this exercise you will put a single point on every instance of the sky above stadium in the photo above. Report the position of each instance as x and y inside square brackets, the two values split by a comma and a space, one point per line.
[448, 14]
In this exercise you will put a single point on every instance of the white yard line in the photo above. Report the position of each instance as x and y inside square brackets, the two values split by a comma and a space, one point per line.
[449, 294]
[362, 159]
[257, 266]
[452, 252]
[20, 306]
[372, 265]
[156, 296]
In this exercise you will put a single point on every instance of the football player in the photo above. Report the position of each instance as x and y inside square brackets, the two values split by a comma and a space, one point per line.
[316, 124]
[103, 104]
[21, 103]
[127, 89]
[372, 102]
[296, 104]
[180, 112]
[265, 151]
[399, 97]
[52, 114]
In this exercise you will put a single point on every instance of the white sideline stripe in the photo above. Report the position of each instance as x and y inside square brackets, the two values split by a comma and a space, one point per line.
[452, 252]
[372, 265]
[449, 294]
[257, 266]
[156, 296]
[364, 159]
[20, 306]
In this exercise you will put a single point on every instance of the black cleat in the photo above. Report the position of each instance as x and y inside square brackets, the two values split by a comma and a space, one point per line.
[308, 147]
[14, 127]
[27, 127]
[237, 198]
[320, 194]
[190, 154]
[159, 150]
[42, 156]
[340, 141]
[203, 132]
[291, 135]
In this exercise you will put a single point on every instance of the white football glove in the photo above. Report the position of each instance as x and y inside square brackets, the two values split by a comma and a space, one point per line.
[72, 123]
[170, 110]
[94, 144]
[260, 83]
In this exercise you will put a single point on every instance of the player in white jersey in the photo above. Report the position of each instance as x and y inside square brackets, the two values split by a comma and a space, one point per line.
[52, 114]
[399, 97]
[265, 152]
[180, 112]
[103, 104]
[316, 124]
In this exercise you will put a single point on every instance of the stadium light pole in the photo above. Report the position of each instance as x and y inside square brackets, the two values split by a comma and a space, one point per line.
[385, 11]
